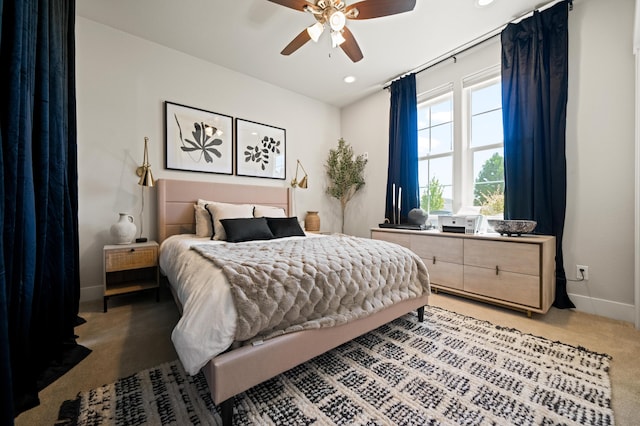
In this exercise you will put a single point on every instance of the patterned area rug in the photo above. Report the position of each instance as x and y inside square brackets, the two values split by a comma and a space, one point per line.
[449, 370]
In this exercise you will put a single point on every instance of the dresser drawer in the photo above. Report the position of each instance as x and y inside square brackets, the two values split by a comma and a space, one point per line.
[445, 274]
[130, 258]
[401, 239]
[512, 287]
[441, 248]
[520, 258]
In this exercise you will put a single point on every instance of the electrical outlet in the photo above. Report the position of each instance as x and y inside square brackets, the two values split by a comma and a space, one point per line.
[582, 271]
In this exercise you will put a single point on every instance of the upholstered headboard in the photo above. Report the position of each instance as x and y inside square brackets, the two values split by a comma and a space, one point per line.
[177, 197]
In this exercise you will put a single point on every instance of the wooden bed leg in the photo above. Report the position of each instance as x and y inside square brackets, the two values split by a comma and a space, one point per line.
[227, 412]
[421, 314]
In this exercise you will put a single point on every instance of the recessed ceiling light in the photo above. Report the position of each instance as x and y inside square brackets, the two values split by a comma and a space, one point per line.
[482, 3]
[349, 79]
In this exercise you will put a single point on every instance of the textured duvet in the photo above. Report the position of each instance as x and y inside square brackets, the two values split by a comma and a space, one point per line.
[293, 284]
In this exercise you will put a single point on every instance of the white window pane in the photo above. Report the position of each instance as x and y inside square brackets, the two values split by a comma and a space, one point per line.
[438, 172]
[423, 117]
[423, 142]
[435, 137]
[441, 138]
[486, 99]
[488, 171]
[487, 128]
[423, 173]
[442, 112]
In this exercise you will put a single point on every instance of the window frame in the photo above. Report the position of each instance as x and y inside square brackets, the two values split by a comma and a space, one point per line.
[434, 96]
[477, 81]
[462, 153]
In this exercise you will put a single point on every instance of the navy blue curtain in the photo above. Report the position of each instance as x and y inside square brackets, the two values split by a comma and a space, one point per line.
[403, 149]
[39, 267]
[534, 106]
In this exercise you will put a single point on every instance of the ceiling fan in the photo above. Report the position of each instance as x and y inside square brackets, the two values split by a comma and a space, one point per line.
[335, 13]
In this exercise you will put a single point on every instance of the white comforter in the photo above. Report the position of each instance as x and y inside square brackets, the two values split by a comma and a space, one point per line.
[208, 322]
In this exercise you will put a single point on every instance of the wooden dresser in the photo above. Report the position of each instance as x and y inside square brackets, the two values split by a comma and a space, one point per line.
[517, 272]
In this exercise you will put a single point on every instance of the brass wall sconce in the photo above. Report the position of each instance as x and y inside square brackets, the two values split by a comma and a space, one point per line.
[144, 171]
[146, 179]
[303, 183]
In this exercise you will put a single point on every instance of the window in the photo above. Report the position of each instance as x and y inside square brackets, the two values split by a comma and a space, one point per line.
[485, 145]
[460, 146]
[435, 152]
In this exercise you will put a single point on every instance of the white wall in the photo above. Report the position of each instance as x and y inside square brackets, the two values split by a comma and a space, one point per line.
[365, 126]
[600, 155]
[122, 82]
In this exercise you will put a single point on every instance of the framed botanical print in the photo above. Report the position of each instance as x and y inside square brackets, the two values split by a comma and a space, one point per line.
[260, 150]
[198, 140]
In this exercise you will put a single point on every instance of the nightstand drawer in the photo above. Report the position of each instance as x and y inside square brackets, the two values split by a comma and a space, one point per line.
[130, 258]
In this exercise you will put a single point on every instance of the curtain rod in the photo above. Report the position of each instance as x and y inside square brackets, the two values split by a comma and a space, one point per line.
[473, 43]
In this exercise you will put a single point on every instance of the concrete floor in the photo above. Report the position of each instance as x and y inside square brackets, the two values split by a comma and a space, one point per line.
[135, 334]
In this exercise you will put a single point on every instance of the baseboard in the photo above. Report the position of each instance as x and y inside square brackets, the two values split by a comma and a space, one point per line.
[89, 294]
[604, 308]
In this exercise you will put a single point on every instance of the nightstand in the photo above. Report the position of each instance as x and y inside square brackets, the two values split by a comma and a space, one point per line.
[130, 268]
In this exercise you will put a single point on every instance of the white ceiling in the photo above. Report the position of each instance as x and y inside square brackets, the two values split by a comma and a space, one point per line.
[248, 35]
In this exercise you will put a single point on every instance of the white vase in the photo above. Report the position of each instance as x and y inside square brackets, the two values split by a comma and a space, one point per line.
[124, 229]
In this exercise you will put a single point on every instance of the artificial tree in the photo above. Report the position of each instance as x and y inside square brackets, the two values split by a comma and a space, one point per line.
[346, 174]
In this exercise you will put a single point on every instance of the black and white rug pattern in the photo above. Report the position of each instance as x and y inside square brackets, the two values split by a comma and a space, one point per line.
[449, 370]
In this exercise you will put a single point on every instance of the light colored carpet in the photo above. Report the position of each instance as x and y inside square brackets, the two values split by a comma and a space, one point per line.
[135, 335]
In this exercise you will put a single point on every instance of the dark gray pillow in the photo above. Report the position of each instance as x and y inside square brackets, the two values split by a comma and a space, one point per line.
[246, 229]
[285, 227]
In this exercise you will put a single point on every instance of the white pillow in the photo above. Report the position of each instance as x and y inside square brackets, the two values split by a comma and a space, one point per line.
[268, 211]
[227, 211]
[204, 224]
[203, 203]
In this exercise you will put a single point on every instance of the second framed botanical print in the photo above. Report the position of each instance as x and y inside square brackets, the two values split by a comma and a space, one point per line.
[260, 150]
[198, 140]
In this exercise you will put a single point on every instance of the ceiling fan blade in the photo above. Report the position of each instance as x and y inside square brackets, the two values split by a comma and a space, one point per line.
[296, 43]
[369, 9]
[350, 45]
[294, 4]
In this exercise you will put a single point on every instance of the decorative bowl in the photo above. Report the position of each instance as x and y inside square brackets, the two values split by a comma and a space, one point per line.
[512, 227]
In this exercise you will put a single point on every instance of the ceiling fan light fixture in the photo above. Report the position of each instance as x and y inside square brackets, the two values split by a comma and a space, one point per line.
[337, 38]
[335, 14]
[315, 31]
[337, 20]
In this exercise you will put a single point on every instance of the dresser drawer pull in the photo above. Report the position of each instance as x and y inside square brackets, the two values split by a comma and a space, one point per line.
[132, 250]
[497, 269]
[434, 260]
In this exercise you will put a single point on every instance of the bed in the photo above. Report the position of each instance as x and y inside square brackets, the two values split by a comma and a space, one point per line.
[237, 370]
